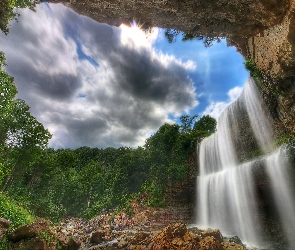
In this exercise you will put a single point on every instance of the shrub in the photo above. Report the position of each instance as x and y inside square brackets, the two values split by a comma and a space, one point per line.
[12, 211]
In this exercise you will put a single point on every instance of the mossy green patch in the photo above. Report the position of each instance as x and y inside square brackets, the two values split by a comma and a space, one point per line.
[11, 210]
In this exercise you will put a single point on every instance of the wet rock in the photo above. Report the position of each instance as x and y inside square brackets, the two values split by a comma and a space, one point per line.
[72, 245]
[32, 244]
[237, 240]
[97, 236]
[68, 243]
[4, 225]
[139, 237]
[212, 232]
[232, 246]
[209, 243]
[179, 230]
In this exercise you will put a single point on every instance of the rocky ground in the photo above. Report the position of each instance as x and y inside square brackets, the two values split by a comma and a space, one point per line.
[148, 228]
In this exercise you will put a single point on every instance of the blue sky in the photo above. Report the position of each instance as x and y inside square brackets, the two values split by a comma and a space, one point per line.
[95, 85]
[219, 69]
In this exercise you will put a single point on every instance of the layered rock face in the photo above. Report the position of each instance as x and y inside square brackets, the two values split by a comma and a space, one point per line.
[210, 17]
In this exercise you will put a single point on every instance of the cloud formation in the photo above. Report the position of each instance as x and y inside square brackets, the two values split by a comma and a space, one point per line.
[92, 84]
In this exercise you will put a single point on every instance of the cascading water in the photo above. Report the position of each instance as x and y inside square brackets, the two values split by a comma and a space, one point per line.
[226, 188]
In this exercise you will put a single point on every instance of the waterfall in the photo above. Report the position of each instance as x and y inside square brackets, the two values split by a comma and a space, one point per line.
[227, 189]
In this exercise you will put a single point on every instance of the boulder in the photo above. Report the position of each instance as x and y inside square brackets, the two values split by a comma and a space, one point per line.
[32, 244]
[232, 246]
[97, 236]
[212, 232]
[72, 245]
[67, 243]
[139, 237]
[4, 225]
[179, 229]
[29, 231]
[237, 240]
[174, 237]
[209, 243]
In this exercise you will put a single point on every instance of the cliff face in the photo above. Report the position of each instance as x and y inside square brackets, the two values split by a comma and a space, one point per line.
[274, 53]
[222, 17]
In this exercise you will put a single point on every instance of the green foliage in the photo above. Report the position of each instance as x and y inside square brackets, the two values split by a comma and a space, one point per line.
[205, 126]
[10, 210]
[285, 139]
[8, 11]
[46, 236]
[252, 68]
[86, 181]
[207, 41]
[171, 35]
[4, 243]
[155, 191]
[22, 137]
[125, 204]
[168, 150]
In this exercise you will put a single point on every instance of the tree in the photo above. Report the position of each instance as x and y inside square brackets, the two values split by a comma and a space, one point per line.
[22, 136]
[187, 123]
[207, 40]
[205, 126]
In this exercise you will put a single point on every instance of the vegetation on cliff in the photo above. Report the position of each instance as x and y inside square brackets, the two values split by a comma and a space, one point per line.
[171, 35]
[252, 68]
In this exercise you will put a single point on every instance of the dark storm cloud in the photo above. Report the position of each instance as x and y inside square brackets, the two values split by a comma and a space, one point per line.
[137, 71]
[91, 84]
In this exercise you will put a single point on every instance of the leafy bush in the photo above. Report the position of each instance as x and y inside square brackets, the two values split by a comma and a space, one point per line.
[12, 211]
[155, 193]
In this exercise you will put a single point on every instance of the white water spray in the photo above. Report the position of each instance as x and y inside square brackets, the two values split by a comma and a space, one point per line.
[226, 189]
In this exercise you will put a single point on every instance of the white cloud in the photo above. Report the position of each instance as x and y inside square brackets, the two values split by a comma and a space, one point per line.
[91, 84]
[216, 108]
[234, 93]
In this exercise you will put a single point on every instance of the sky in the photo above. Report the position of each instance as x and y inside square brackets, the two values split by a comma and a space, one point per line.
[96, 85]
